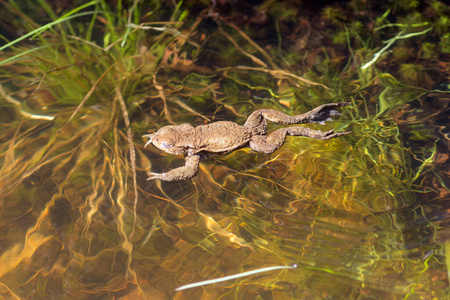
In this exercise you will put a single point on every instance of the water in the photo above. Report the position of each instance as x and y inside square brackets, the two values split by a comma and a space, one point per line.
[67, 219]
[364, 216]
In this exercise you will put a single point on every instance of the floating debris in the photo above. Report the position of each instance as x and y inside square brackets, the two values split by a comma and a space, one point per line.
[248, 273]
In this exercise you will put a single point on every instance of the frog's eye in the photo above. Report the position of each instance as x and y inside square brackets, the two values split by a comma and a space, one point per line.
[166, 145]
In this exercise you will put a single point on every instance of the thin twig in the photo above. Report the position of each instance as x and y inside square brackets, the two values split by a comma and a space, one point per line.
[87, 96]
[235, 44]
[264, 53]
[248, 273]
[278, 74]
[132, 153]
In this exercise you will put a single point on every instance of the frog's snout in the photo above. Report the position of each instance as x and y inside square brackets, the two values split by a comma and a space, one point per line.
[150, 136]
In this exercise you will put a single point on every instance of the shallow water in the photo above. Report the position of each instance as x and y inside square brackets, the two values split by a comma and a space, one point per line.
[68, 227]
[363, 216]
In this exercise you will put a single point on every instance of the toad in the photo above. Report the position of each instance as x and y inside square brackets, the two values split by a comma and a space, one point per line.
[199, 142]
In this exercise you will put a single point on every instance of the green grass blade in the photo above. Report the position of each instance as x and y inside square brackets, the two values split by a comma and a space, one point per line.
[68, 16]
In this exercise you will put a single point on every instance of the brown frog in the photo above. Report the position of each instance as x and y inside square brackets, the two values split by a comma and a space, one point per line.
[225, 136]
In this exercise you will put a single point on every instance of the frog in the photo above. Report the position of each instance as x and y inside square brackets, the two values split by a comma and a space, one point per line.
[220, 137]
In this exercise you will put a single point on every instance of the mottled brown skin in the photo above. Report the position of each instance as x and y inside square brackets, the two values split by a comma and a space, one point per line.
[225, 136]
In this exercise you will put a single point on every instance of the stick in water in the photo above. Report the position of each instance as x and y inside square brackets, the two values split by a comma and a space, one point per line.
[248, 273]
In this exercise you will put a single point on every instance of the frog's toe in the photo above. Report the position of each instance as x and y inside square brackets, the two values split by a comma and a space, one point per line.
[150, 137]
[328, 133]
[155, 176]
[339, 104]
[331, 134]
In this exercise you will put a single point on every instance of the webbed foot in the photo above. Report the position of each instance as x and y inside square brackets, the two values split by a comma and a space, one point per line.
[322, 113]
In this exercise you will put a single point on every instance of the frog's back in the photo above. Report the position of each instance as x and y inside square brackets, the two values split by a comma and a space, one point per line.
[222, 136]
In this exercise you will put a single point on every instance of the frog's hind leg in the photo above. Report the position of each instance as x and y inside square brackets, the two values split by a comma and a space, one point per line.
[270, 143]
[257, 120]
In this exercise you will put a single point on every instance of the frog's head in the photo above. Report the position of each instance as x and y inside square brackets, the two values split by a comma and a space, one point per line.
[168, 138]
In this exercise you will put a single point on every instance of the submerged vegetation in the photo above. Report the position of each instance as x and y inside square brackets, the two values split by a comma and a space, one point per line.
[366, 214]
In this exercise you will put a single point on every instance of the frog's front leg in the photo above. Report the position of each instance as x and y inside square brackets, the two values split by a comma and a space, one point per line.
[270, 143]
[187, 171]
